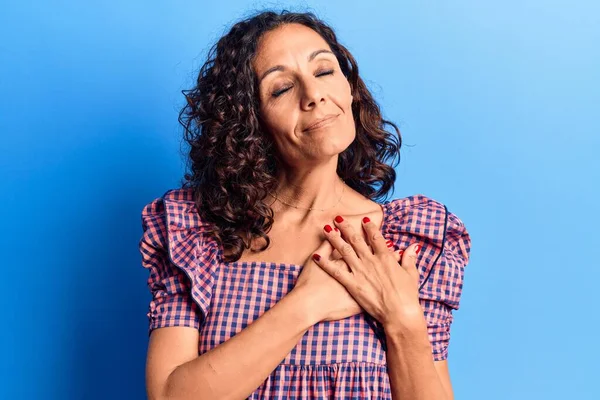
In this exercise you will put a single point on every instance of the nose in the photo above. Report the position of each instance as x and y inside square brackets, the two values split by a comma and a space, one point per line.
[312, 95]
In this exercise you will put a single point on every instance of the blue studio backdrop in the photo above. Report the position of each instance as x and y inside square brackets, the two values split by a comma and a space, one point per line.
[498, 105]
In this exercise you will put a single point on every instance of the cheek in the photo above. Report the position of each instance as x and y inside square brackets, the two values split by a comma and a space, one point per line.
[279, 123]
[349, 124]
[277, 118]
[346, 104]
[344, 99]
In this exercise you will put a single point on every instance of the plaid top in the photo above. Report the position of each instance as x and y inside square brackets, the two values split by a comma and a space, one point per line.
[192, 286]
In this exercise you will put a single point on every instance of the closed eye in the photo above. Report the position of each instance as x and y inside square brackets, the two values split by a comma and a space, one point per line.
[281, 91]
[330, 72]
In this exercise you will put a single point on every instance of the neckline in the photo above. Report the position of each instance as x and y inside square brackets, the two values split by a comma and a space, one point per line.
[285, 266]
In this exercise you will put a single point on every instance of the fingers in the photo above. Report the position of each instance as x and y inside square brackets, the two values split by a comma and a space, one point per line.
[335, 255]
[374, 237]
[353, 238]
[408, 260]
[324, 250]
[337, 269]
[346, 250]
[397, 254]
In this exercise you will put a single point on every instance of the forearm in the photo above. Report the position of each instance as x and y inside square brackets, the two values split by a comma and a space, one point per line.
[235, 368]
[411, 367]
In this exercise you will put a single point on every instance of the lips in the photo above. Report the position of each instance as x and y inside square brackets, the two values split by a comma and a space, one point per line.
[321, 122]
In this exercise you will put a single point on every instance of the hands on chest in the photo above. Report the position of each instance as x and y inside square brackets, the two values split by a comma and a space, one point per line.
[357, 269]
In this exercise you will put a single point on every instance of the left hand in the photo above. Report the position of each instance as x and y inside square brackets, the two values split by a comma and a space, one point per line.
[370, 273]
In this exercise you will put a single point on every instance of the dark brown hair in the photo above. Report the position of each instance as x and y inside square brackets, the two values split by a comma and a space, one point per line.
[232, 160]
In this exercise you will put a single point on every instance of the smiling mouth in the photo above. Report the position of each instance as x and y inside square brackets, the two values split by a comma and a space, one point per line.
[322, 123]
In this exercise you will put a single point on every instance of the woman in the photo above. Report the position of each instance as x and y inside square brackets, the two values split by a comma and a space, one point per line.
[271, 270]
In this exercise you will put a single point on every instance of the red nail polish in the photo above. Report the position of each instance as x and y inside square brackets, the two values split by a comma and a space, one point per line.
[327, 228]
[366, 220]
[339, 219]
[336, 229]
[316, 257]
[418, 249]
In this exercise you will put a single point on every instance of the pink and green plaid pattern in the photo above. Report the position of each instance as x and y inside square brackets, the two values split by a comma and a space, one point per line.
[191, 286]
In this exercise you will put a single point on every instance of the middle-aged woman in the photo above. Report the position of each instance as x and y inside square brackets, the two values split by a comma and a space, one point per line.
[270, 268]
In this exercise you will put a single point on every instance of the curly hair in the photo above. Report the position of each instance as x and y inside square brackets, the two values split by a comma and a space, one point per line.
[232, 160]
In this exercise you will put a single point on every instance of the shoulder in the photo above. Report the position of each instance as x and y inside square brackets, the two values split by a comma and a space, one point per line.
[180, 199]
[423, 215]
[172, 222]
[445, 242]
[176, 208]
[403, 205]
[177, 248]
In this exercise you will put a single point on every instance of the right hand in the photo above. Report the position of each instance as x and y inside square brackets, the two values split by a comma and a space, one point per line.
[327, 298]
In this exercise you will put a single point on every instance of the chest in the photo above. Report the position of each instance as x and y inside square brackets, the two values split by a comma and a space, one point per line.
[243, 291]
[286, 246]
[294, 245]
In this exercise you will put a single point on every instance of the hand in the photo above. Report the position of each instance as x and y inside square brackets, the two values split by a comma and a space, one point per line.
[371, 274]
[328, 298]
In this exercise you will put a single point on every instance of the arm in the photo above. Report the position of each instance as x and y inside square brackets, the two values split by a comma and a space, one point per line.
[417, 366]
[235, 368]
[412, 370]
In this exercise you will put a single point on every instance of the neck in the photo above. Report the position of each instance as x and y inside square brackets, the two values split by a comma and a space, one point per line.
[318, 189]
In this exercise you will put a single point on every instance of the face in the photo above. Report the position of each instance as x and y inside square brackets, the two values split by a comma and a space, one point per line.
[305, 99]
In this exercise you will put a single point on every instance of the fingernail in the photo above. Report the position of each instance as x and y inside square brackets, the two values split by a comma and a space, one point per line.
[339, 219]
[336, 229]
[389, 243]
[366, 220]
[316, 257]
[418, 248]
[401, 252]
[327, 228]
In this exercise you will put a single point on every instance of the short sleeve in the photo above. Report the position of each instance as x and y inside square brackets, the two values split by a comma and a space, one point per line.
[442, 290]
[441, 262]
[170, 287]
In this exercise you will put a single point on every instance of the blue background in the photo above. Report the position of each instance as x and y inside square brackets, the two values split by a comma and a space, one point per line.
[498, 103]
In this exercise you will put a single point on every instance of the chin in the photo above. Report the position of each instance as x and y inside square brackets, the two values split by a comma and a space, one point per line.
[334, 146]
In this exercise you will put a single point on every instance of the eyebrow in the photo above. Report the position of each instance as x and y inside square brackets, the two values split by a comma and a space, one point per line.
[282, 68]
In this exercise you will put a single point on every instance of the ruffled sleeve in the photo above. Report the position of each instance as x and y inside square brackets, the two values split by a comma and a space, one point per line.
[441, 261]
[181, 260]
